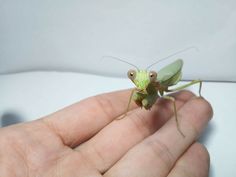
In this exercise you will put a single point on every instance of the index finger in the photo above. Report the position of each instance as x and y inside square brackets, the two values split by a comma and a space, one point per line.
[78, 122]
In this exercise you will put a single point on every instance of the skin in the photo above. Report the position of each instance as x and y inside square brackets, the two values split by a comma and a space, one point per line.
[86, 140]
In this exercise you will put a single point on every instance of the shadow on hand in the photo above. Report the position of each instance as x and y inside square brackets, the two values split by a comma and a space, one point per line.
[204, 139]
[10, 117]
[210, 129]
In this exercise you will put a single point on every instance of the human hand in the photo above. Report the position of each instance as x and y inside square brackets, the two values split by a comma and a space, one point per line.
[85, 140]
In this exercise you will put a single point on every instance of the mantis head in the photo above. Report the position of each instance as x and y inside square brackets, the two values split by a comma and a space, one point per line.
[142, 78]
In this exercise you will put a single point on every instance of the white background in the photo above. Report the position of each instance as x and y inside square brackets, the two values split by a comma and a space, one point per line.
[72, 36]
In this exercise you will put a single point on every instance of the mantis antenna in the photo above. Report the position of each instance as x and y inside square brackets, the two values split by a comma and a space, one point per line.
[118, 59]
[178, 52]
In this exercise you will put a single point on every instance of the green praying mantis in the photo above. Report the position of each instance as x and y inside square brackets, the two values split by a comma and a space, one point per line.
[151, 85]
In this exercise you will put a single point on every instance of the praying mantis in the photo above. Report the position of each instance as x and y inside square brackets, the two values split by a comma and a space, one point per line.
[151, 85]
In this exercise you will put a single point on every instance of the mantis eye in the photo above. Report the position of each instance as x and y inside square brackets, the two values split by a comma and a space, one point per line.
[131, 74]
[152, 76]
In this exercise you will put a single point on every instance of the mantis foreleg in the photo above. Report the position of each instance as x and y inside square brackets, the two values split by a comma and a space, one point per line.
[175, 113]
[187, 85]
[128, 106]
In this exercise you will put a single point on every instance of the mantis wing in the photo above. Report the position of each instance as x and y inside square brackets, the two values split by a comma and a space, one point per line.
[171, 74]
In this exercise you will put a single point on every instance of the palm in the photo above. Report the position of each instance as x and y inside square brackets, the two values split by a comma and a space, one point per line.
[83, 140]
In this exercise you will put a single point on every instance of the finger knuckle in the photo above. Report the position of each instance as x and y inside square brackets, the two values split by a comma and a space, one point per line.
[164, 157]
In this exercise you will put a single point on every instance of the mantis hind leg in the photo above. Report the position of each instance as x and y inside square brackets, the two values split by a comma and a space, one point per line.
[128, 106]
[175, 113]
[187, 85]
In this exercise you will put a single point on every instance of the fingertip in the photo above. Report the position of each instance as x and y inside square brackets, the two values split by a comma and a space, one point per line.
[203, 105]
[194, 162]
[194, 116]
[208, 107]
[200, 151]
